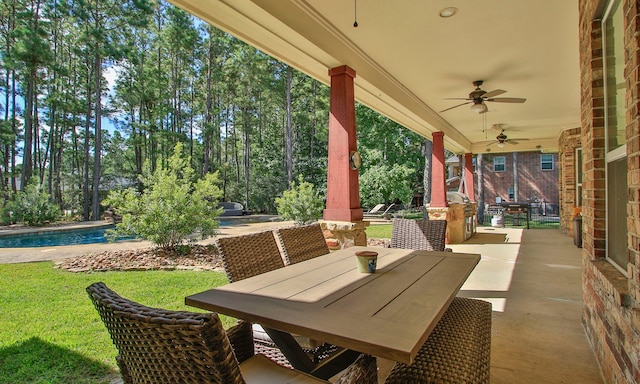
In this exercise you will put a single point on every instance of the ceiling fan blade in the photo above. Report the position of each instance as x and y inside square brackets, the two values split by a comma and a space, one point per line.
[493, 93]
[507, 99]
[457, 98]
[511, 142]
[520, 139]
[456, 106]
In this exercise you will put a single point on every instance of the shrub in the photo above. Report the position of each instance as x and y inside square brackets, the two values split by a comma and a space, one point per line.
[301, 203]
[31, 207]
[172, 208]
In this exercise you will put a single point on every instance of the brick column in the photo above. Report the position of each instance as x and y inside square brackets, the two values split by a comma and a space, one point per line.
[343, 194]
[468, 177]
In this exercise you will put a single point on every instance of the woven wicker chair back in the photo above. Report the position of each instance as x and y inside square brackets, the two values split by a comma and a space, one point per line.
[302, 243]
[249, 255]
[423, 235]
[162, 346]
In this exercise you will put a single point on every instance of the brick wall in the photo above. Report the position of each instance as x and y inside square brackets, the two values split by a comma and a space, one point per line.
[611, 316]
[569, 141]
[532, 181]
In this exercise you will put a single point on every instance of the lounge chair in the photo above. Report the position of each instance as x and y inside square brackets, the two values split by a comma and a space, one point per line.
[380, 213]
[161, 346]
[231, 209]
[377, 209]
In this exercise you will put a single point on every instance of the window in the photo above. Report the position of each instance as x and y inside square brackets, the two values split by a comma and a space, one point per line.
[546, 162]
[615, 142]
[578, 165]
[499, 164]
[512, 194]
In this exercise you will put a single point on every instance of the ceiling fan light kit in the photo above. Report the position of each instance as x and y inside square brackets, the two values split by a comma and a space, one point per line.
[479, 108]
[478, 97]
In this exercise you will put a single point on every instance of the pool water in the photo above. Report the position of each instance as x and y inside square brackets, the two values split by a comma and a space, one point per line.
[56, 238]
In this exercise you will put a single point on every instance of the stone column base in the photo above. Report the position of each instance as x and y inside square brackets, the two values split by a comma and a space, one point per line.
[439, 213]
[344, 234]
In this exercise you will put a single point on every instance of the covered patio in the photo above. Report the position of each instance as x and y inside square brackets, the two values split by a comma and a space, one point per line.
[419, 64]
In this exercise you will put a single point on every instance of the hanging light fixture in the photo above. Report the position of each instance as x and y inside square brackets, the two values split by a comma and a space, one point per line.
[479, 108]
[448, 12]
[355, 13]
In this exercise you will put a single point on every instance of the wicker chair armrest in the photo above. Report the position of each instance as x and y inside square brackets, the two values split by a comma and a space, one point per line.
[241, 339]
[363, 371]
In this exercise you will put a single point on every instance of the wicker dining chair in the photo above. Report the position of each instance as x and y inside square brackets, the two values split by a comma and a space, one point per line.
[249, 255]
[161, 346]
[422, 235]
[458, 350]
[302, 243]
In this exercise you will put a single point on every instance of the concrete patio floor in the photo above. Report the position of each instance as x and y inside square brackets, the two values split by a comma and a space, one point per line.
[532, 278]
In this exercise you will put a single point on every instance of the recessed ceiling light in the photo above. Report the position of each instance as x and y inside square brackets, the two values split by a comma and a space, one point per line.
[448, 12]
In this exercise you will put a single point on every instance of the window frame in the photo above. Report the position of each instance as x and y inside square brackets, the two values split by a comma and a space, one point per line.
[578, 176]
[542, 162]
[612, 155]
[503, 164]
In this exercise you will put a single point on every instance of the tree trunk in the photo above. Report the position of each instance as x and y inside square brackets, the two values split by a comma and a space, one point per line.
[208, 126]
[289, 130]
[95, 204]
[85, 165]
[27, 156]
[247, 156]
[426, 182]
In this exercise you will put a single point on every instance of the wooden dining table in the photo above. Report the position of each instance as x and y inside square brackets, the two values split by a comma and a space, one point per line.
[389, 313]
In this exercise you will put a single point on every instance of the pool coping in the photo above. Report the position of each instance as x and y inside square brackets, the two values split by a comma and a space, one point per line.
[19, 230]
[54, 253]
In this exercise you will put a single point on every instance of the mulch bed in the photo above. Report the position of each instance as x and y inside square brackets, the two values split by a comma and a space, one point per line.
[204, 258]
[200, 258]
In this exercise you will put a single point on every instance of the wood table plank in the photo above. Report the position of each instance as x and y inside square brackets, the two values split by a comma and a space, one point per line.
[389, 313]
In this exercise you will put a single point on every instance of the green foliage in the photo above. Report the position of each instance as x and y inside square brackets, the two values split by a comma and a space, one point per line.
[301, 203]
[384, 183]
[31, 207]
[172, 208]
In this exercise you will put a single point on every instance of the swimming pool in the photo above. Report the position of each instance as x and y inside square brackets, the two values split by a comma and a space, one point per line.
[58, 237]
[53, 238]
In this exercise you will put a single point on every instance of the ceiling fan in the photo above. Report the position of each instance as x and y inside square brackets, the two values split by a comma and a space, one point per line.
[502, 139]
[478, 96]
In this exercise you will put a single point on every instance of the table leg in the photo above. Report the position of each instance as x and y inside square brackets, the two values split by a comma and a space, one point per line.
[291, 349]
[301, 361]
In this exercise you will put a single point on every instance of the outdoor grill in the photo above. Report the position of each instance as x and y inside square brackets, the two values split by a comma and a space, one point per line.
[467, 227]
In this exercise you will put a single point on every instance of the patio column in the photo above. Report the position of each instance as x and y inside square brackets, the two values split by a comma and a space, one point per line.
[343, 225]
[468, 176]
[343, 191]
[438, 172]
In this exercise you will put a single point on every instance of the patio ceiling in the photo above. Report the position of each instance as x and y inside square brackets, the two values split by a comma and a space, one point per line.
[408, 59]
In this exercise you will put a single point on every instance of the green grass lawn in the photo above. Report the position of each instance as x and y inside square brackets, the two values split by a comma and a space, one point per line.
[379, 231]
[50, 331]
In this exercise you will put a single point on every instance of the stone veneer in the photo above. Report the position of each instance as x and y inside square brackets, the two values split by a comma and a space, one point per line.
[611, 315]
[344, 234]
